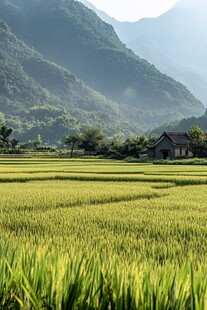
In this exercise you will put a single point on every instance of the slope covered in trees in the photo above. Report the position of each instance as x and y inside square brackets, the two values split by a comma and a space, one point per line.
[174, 42]
[184, 124]
[73, 36]
[39, 96]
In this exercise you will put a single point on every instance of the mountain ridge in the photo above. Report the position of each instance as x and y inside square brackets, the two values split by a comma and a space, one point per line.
[183, 125]
[67, 33]
[179, 57]
[32, 86]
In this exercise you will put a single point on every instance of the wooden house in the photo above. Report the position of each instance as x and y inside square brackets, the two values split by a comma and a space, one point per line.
[171, 145]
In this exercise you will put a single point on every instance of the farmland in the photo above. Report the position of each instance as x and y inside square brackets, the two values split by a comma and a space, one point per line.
[98, 234]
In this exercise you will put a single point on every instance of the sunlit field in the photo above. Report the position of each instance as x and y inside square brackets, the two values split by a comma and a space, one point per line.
[101, 234]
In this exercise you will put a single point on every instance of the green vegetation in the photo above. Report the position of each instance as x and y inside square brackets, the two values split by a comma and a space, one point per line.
[102, 234]
[198, 144]
[89, 140]
[72, 282]
[5, 133]
[92, 140]
[184, 124]
[73, 141]
[193, 161]
[38, 142]
[84, 44]
[37, 96]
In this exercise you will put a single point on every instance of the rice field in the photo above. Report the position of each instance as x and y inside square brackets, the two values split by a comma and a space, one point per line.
[101, 234]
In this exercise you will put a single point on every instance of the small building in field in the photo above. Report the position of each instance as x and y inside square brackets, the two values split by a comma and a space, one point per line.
[171, 145]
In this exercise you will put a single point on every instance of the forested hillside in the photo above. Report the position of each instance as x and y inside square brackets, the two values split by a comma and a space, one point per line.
[184, 124]
[38, 96]
[174, 42]
[73, 36]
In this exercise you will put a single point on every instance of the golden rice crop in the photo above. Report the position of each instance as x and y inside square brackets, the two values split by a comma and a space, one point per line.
[118, 229]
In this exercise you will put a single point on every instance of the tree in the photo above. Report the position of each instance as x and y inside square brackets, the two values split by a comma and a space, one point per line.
[198, 144]
[135, 147]
[91, 139]
[152, 139]
[14, 143]
[73, 140]
[112, 148]
[5, 133]
[37, 142]
[196, 133]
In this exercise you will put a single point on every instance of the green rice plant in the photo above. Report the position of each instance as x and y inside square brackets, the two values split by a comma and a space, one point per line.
[99, 234]
[38, 280]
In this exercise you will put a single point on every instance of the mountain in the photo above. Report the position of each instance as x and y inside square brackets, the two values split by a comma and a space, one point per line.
[71, 35]
[38, 96]
[126, 31]
[183, 125]
[106, 18]
[174, 42]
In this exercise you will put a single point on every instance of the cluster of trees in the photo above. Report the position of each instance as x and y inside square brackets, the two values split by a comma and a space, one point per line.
[92, 140]
[198, 144]
[5, 140]
[7, 143]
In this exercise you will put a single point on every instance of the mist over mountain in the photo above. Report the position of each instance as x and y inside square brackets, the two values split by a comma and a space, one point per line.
[68, 34]
[39, 96]
[126, 31]
[174, 42]
[186, 4]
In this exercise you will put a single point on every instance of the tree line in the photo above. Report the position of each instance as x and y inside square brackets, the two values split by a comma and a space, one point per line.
[93, 141]
[7, 143]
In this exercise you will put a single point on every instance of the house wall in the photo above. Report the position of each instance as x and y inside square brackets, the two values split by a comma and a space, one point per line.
[183, 155]
[165, 144]
[151, 152]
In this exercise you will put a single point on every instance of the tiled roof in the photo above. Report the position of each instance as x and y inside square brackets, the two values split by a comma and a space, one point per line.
[180, 138]
[176, 138]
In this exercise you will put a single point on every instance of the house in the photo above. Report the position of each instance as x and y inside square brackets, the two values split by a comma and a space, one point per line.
[171, 145]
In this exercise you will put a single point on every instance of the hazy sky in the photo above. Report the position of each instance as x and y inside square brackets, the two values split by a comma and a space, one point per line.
[133, 10]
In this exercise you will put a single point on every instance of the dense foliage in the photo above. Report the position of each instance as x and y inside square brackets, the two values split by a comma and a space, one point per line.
[5, 140]
[37, 96]
[131, 147]
[184, 124]
[198, 144]
[92, 140]
[73, 36]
